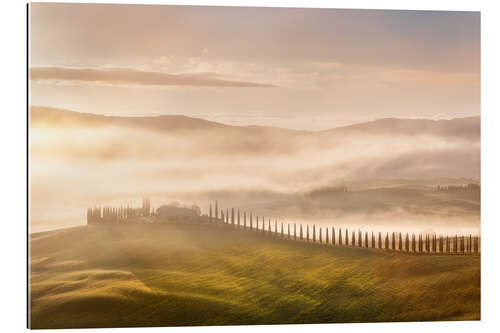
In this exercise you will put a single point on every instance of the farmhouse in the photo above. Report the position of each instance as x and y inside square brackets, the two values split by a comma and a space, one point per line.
[176, 213]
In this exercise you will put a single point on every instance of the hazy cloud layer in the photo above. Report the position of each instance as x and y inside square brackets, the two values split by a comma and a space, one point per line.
[331, 67]
[135, 77]
[106, 33]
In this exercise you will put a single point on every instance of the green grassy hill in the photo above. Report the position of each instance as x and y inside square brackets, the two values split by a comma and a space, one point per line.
[164, 275]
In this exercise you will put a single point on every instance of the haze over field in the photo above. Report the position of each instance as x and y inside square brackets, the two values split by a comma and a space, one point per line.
[265, 109]
[390, 166]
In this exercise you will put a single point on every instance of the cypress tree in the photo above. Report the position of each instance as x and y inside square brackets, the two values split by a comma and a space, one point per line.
[251, 222]
[333, 235]
[470, 243]
[440, 244]
[227, 215]
[413, 247]
[282, 229]
[462, 245]
[359, 238]
[340, 235]
[210, 212]
[379, 240]
[288, 230]
[434, 245]
[307, 228]
[295, 231]
[407, 243]
[373, 240]
[244, 219]
[216, 210]
[301, 232]
[327, 239]
[393, 242]
[353, 238]
[320, 240]
[276, 227]
[455, 244]
[232, 216]
[386, 241]
[400, 242]
[346, 237]
[314, 233]
[366, 239]
[448, 244]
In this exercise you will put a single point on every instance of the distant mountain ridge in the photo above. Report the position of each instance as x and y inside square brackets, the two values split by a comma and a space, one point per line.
[467, 128]
[61, 116]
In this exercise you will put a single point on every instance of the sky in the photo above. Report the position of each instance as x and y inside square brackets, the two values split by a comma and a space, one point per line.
[309, 69]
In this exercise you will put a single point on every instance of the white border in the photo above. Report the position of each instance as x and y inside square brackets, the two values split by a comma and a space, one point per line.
[13, 234]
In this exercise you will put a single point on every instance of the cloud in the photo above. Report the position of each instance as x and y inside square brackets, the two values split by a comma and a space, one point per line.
[116, 76]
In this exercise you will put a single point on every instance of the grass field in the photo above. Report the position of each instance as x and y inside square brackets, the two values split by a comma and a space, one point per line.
[166, 275]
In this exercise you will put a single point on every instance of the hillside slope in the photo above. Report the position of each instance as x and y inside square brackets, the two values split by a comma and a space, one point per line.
[465, 128]
[162, 275]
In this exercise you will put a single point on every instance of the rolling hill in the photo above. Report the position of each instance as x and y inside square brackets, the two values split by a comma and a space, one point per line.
[466, 128]
[178, 274]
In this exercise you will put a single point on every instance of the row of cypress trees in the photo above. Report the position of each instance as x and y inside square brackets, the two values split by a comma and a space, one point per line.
[114, 214]
[394, 241]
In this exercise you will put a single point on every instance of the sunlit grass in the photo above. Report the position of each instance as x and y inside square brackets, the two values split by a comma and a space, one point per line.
[159, 275]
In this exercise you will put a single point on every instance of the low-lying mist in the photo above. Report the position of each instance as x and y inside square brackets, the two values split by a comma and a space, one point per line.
[264, 170]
